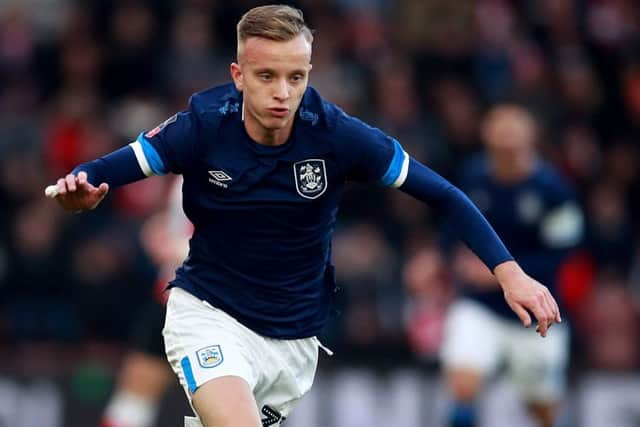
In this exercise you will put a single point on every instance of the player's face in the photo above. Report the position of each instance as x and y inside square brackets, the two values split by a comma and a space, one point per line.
[273, 76]
[509, 132]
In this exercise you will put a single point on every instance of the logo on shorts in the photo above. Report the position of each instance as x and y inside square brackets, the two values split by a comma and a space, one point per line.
[311, 178]
[210, 357]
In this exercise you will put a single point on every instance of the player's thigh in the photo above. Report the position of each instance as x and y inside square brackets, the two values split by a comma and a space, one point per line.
[204, 344]
[287, 371]
[538, 365]
[226, 402]
[472, 339]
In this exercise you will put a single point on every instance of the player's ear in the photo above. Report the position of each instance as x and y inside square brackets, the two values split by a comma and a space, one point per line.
[236, 75]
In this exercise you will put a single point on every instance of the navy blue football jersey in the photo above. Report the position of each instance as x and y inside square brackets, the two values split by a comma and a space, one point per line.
[263, 215]
[538, 219]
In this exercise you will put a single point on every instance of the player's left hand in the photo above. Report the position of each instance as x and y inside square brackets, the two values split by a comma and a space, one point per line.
[525, 294]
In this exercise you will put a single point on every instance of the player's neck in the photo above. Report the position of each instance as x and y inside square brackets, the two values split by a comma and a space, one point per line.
[265, 136]
[513, 171]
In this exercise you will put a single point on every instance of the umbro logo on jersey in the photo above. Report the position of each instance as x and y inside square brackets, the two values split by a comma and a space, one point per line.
[218, 178]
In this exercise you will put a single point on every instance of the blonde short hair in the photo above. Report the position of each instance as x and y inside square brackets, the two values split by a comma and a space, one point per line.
[273, 22]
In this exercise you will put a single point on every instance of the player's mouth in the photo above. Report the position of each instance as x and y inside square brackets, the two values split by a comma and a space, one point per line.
[279, 112]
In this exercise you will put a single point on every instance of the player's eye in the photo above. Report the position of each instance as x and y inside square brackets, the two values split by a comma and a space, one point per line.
[297, 77]
[265, 77]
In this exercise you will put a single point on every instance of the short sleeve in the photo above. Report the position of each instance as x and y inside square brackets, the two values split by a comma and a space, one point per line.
[368, 154]
[169, 147]
[563, 223]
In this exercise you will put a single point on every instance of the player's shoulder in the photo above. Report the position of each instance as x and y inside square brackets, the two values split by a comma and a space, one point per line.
[350, 132]
[324, 114]
[552, 181]
[548, 175]
[215, 103]
[473, 170]
[317, 113]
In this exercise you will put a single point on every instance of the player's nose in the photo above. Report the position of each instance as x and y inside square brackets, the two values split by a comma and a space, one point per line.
[282, 92]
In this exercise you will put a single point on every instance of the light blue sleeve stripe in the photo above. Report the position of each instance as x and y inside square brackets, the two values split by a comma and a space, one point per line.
[395, 167]
[188, 374]
[155, 162]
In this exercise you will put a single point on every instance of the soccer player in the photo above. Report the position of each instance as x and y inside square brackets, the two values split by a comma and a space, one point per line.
[264, 162]
[145, 375]
[532, 208]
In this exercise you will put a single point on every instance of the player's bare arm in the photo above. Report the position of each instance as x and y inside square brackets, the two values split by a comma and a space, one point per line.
[75, 193]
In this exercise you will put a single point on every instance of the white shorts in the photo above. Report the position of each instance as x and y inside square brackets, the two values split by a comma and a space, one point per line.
[203, 343]
[478, 339]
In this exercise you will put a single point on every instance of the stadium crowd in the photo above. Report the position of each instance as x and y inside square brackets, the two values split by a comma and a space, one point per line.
[79, 79]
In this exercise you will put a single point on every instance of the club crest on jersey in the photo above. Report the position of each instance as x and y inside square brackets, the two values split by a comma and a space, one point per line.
[210, 357]
[311, 178]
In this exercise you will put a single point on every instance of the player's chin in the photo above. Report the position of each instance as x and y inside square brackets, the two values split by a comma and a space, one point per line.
[275, 123]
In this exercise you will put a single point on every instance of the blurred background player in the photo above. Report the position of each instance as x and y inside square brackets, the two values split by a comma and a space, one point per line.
[145, 375]
[531, 205]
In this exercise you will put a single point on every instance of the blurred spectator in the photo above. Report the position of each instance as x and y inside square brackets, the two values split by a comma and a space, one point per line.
[609, 318]
[610, 233]
[399, 113]
[103, 265]
[495, 27]
[577, 85]
[458, 111]
[340, 79]
[365, 268]
[132, 58]
[608, 395]
[581, 155]
[191, 62]
[631, 91]
[35, 306]
[427, 280]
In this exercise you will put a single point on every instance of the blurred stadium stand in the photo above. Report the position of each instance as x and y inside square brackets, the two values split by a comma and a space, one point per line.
[78, 79]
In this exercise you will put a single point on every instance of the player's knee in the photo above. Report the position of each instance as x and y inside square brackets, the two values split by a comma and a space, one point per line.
[464, 383]
[226, 402]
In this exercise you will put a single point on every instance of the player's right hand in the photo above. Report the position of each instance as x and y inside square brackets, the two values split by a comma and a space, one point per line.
[525, 294]
[75, 193]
